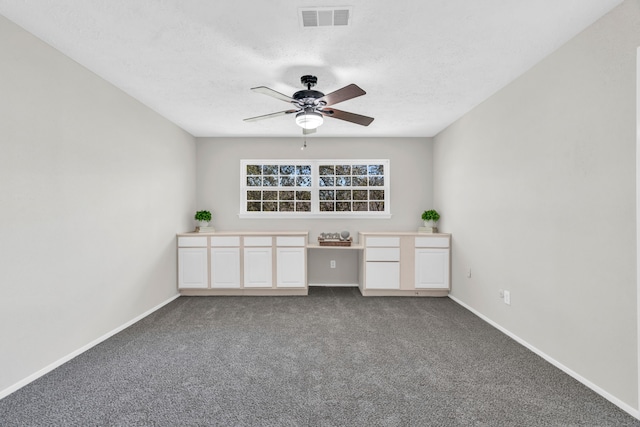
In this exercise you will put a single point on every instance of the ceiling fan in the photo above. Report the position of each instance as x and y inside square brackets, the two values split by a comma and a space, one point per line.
[310, 106]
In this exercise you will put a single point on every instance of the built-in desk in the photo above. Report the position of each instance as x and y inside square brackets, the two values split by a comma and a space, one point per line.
[275, 263]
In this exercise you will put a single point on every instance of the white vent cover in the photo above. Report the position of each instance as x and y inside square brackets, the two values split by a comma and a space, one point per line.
[325, 17]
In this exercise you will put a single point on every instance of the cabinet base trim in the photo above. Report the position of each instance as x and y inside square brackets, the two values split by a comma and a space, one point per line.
[404, 293]
[258, 292]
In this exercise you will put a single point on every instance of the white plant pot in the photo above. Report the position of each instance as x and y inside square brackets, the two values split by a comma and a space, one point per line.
[202, 223]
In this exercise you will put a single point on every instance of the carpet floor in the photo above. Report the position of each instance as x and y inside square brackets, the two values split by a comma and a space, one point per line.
[333, 358]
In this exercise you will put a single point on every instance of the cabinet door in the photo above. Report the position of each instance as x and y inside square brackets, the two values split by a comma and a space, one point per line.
[225, 267]
[382, 275]
[290, 267]
[192, 268]
[432, 268]
[258, 268]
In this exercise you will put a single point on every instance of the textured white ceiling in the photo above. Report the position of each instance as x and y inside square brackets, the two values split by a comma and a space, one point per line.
[423, 63]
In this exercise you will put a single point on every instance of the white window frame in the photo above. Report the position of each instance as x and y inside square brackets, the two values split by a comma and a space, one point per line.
[315, 189]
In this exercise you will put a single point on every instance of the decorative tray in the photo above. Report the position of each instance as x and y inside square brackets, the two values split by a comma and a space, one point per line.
[334, 242]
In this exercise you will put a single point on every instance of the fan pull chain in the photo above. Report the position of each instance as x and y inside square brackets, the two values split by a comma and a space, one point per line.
[304, 145]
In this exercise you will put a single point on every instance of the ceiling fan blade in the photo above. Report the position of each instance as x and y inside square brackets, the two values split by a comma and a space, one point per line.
[308, 131]
[266, 91]
[268, 116]
[340, 95]
[345, 115]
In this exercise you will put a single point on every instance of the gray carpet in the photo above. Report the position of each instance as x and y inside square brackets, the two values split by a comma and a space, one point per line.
[333, 358]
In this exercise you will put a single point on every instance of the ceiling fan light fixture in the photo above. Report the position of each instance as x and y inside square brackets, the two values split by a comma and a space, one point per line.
[309, 120]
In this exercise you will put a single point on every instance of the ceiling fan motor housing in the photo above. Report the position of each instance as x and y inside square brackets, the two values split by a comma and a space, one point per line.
[310, 95]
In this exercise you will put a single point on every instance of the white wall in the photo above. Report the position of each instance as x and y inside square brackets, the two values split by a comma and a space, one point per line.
[93, 188]
[411, 188]
[537, 185]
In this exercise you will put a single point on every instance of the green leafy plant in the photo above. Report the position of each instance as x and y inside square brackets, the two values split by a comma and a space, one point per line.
[430, 215]
[203, 216]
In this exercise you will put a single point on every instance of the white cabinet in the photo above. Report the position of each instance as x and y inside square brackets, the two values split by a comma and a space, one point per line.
[291, 267]
[382, 263]
[432, 268]
[432, 262]
[192, 263]
[225, 262]
[383, 275]
[408, 264]
[243, 263]
[192, 268]
[291, 262]
[225, 267]
[258, 265]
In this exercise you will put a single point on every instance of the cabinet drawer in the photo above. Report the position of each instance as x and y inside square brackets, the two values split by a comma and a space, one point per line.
[290, 241]
[192, 242]
[432, 242]
[258, 241]
[383, 254]
[222, 241]
[383, 241]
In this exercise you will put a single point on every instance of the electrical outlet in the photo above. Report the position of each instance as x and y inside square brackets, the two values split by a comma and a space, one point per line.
[333, 263]
[507, 297]
[469, 273]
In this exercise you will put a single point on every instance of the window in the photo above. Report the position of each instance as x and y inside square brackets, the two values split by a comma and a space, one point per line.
[314, 188]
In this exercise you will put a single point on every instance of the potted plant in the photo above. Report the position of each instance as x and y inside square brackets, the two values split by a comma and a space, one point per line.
[203, 218]
[430, 218]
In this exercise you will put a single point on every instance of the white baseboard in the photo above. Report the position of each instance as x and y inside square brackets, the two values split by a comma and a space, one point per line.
[625, 407]
[7, 391]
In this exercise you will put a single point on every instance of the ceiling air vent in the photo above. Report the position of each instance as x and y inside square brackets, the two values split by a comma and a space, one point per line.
[325, 17]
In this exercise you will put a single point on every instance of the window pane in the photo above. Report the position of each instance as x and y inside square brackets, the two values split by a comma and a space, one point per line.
[253, 206]
[343, 169]
[270, 195]
[286, 206]
[359, 194]
[359, 170]
[303, 207]
[326, 181]
[359, 181]
[375, 181]
[327, 206]
[360, 206]
[286, 195]
[287, 170]
[270, 206]
[343, 206]
[270, 169]
[343, 181]
[254, 170]
[326, 170]
[376, 206]
[303, 170]
[343, 194]
[376, 170]
[326, 195]
[303, 181]
[254, 195]
[303, 195]
[376, 194]
[270, 181]
[254, 181]
[287, 181]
